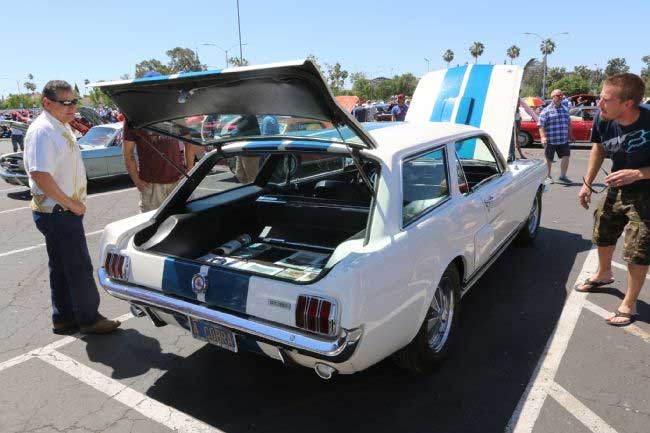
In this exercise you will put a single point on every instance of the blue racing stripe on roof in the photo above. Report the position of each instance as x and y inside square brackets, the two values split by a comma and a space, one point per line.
[449, 91]
[181, 75]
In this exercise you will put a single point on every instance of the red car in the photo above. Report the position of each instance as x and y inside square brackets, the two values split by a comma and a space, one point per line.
[581, 122]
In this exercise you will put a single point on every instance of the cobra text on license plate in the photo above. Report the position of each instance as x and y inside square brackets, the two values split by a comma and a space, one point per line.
[213, 334]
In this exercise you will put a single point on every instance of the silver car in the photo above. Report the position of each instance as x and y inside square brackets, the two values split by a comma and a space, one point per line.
[101, 150]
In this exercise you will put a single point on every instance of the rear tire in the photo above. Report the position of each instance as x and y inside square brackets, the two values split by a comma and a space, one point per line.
[525, 139]
[431, 344]
[530, 229]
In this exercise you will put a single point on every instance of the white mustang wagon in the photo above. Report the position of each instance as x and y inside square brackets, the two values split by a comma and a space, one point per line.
[331, 248]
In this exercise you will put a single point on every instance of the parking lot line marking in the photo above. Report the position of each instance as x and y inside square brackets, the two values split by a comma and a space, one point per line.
[169, 417]
[50, 347]
[530, 405]
[579, 411]
[623, 267]
[632, 329]
[18, 188]
[33, 247]
[101, 194]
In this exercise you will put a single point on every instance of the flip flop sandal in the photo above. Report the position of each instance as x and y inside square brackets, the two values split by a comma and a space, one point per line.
[630, 319]
[592, 285]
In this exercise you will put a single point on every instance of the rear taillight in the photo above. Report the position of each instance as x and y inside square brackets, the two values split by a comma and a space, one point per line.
[316, 315]
[116, 266]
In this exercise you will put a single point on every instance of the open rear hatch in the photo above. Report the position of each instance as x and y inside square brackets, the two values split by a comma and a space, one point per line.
[179, 104]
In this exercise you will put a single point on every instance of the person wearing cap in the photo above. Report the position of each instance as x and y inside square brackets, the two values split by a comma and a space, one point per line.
[398, 112]
[154, 175]
[57, 178]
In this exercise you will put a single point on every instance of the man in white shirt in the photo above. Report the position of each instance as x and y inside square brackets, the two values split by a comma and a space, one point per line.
[57, 178]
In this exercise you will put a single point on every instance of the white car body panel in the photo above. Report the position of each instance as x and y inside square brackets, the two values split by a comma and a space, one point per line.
[383, 287]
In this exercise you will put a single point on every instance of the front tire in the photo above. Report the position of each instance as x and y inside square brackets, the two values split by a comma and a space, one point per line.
[530, 229]
[431, 344]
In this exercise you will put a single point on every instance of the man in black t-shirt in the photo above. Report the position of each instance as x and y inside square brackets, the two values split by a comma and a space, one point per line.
[621, 132]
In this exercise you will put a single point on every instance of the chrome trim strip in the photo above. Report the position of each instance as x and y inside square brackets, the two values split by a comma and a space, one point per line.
[339, 349]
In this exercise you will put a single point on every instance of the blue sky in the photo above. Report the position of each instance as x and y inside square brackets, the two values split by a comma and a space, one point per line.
[101, 40]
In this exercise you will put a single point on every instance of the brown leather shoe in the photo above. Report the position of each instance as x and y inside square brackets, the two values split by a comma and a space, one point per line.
[102, 326]
[64, 328]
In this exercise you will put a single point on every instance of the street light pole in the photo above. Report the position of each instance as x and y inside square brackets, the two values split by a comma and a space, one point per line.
[241, 55]
[427, 60]
[223, 49]
[545, 69]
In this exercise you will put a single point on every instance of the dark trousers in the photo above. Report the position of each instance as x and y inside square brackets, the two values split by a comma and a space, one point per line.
[17, 140]
[74, 292]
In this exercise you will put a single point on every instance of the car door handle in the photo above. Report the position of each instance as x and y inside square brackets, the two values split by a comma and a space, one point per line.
[489, 201]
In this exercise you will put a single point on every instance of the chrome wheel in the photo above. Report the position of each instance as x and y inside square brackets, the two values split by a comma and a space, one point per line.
[441, 315]
[533, 218]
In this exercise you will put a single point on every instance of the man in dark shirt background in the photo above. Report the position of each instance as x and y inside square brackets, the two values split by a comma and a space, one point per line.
[621, 132]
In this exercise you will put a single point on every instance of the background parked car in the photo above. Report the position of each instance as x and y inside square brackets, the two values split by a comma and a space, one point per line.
[101, 150]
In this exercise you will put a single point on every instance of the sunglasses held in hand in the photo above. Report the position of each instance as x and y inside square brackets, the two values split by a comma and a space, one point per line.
[592, 189]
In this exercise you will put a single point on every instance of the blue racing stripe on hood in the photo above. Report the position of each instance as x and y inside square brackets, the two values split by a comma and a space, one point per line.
[226, 288]
[449, 91]
[470, 111]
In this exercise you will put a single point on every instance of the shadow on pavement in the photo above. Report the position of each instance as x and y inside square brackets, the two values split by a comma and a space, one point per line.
[507, 319]
[129, 353]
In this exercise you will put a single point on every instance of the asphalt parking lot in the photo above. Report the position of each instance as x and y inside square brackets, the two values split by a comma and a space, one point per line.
[532, 354]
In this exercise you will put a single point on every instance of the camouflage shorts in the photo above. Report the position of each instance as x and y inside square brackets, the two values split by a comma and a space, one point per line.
[625, 210]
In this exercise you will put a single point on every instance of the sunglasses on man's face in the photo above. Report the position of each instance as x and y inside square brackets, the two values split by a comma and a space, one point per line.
[596, 190]
[66, 102]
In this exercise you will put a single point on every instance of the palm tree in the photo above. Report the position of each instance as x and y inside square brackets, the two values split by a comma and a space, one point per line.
[476, 50]
[513, 53]
[448, 57]
[547, 47]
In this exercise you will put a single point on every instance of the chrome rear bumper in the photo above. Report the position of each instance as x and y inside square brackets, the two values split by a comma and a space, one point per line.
[14, 178]
[339, 349]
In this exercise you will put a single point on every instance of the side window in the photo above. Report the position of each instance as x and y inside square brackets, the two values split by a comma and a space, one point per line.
[424, 184]
[478, 163]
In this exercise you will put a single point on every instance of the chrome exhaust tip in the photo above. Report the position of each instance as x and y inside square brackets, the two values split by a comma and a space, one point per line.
[137, 311]
[325, 371]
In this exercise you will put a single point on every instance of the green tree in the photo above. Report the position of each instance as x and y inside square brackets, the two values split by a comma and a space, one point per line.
[476, 50]
[21, 101]
[336, 77]
[236, 61]
[97, 98]
[532, 79]
[448, 57]
[553, 75]
[645, 73]
[547, 47]
[361, 85]
[617, 65]
[513, 52]
[151, 65]
[29, 84]
[406, 83]
[573, 84]
[183, 60]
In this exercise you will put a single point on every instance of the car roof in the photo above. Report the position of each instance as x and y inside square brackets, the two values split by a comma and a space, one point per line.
[398, 137]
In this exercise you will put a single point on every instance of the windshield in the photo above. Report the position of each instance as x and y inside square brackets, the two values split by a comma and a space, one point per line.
[212, 128]
[99, 136]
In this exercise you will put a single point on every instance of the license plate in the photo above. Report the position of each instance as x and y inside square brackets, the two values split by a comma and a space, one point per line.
[213, 334]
